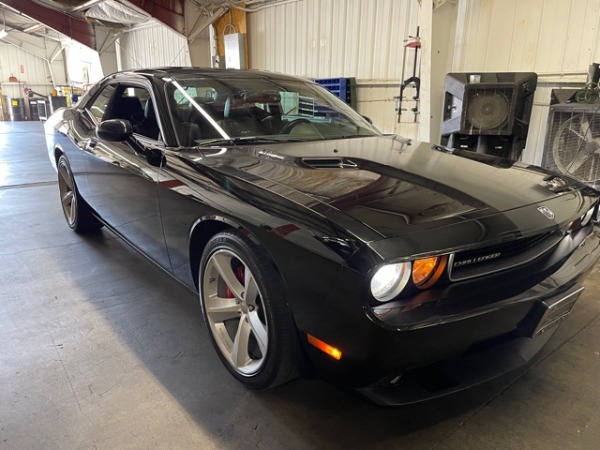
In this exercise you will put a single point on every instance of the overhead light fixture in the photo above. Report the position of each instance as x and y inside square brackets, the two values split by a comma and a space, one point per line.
[3, 34]
[34, 27]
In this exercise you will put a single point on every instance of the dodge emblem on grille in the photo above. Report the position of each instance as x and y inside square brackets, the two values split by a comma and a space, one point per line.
[546, 212]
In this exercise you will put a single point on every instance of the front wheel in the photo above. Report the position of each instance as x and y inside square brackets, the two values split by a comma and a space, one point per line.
[77, 212]
[244, 305]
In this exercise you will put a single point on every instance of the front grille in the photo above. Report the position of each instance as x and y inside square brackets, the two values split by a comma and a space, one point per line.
[501, 256]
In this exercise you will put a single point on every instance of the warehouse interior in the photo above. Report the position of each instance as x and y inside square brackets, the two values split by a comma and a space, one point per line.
[102, 350]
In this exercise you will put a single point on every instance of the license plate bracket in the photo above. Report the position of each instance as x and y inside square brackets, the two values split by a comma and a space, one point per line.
[552, 311]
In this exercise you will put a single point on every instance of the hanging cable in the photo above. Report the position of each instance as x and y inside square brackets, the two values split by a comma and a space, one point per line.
[229, 25]
[589, 94]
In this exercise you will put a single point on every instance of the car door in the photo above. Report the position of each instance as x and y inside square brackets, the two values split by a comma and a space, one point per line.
[122, 176]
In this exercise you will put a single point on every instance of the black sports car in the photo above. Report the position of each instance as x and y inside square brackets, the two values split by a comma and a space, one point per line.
[319, 245]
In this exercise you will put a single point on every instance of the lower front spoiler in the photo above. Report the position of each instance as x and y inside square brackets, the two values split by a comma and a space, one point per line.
[481, 364]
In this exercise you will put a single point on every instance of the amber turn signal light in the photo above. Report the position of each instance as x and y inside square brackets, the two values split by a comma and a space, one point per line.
[324, 347]
[426, 271]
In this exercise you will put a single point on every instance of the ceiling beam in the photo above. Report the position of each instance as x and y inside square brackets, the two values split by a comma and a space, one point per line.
[78, 30]
[202, 22]
[169, 12]
[85, 5]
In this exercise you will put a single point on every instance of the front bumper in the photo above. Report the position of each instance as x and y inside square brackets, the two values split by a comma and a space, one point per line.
[481, 363]
[475, 332]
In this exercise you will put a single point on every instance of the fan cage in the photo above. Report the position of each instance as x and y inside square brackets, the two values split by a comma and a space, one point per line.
[572, 144]
[501, 102]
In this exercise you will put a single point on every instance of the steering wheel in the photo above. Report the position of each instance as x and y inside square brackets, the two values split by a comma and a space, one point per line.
[287, 128]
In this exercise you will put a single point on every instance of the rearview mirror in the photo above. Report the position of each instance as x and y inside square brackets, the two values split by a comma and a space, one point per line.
[114, 130]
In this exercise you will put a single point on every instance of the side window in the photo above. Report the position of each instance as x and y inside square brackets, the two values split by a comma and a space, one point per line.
[135, 104]
[99, 105]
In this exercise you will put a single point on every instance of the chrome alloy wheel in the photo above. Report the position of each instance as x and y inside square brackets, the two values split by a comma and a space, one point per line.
[68, 196]
[235, 312]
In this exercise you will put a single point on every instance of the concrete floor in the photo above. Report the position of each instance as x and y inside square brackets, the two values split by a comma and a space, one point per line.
[101, 350]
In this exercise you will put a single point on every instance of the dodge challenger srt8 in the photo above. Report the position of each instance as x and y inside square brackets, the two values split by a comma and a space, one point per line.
[319, 245]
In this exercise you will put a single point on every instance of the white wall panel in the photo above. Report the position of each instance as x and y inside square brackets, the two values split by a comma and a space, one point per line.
[35, 69]
[333, 38]
[200, 50]
[545, 36]
[534, 151]
[339, 39]
[32, 55]
[153, 46]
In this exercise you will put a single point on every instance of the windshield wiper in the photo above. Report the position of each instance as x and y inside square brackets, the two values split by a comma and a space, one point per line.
[248, 140]
[350, 136]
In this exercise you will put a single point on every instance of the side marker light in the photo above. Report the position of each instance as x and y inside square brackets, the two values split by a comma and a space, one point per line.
[324, 347]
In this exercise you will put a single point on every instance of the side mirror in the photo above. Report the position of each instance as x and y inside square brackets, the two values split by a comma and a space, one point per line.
[114, 130]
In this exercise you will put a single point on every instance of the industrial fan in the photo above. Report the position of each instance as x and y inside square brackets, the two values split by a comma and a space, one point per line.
[488, 112]
[573, 142]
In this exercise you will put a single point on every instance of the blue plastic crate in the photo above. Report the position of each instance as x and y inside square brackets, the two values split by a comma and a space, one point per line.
[343, 88]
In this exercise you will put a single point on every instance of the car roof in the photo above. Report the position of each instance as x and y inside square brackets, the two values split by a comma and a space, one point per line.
[182, 73]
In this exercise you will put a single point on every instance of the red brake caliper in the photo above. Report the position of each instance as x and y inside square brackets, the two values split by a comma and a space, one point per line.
[239, 274]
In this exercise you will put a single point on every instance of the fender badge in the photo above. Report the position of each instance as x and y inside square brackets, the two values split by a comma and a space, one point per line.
[546, 212]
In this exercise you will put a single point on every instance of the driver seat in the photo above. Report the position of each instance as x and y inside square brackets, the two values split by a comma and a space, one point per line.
[240, 122]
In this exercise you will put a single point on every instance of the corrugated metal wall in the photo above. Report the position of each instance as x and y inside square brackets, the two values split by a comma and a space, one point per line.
[154, 46]
[544, 36]
[36, 73]
[558, 39]
[340, 38]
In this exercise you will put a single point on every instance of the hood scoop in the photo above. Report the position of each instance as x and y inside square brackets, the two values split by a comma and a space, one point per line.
[330, 163]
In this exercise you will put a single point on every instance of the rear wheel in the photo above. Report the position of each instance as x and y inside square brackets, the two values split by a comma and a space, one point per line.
[244, 305]
[76, 211]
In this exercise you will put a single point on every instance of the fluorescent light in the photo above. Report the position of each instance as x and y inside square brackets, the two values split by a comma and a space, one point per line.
[3, 34]
[32, 28]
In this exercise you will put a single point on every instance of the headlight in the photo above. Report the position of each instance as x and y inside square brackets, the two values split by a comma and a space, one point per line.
[389, 281]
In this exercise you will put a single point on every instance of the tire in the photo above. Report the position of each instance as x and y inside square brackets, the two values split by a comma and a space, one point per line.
[253, 334]
[77, 212]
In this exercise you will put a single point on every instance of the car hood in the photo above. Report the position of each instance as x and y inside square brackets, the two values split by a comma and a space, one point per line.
[387, 187]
